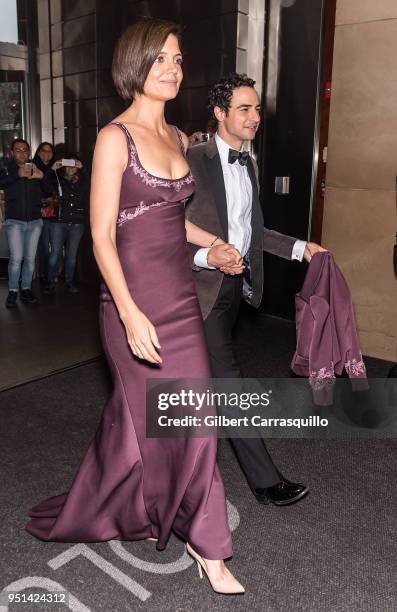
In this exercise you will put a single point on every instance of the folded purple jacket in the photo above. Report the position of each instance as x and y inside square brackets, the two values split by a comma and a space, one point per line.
[326, 330]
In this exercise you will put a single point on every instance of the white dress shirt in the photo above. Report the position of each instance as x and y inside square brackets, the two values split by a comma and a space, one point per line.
[238, 189]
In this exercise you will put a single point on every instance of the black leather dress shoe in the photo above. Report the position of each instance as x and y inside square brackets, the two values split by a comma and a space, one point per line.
[282, 493]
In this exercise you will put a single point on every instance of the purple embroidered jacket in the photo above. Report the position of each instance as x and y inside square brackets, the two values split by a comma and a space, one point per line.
[326, 331]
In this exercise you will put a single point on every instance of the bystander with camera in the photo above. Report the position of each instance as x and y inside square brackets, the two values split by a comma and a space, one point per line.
[21, 182]
[199, 136]
[70, 180]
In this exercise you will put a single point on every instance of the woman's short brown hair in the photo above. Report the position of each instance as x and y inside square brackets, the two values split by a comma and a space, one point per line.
[135, 52]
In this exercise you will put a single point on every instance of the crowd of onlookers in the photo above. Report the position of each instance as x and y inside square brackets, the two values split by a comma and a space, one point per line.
[45, 199]
[44, 211]
[44, 215]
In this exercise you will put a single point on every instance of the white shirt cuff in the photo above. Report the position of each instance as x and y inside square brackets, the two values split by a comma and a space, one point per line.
[298, 249]
[200, 259]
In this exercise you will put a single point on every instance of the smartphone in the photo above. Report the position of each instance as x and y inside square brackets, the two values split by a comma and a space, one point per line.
[29, 166]
[68, 162]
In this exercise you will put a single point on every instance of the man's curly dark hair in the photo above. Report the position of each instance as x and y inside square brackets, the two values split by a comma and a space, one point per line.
[221, 93]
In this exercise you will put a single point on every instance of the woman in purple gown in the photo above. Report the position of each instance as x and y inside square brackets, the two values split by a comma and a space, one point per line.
[128, 486]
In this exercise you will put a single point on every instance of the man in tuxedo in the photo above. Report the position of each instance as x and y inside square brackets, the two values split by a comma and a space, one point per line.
[226, 203]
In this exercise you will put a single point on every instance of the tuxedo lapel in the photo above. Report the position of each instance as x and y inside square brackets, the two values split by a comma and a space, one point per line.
[215, 174]
[256, 216]
[253, 281]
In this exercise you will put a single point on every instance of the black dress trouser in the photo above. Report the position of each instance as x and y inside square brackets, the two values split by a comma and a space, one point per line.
[252, 453]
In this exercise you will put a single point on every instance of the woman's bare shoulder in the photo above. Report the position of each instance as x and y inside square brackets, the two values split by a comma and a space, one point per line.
[110, 147]
[110, 133]
[111, 139]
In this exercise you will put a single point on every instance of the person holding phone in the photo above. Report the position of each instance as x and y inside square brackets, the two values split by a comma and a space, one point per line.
[69, 179]
[21, 181]
[199, 136]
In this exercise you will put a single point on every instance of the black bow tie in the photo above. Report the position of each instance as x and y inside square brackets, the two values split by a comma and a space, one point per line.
[242, 157]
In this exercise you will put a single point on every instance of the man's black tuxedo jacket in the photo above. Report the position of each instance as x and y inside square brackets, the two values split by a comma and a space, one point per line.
[208, 209]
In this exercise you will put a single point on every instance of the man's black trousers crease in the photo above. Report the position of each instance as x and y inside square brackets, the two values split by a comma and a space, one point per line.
[252, 453]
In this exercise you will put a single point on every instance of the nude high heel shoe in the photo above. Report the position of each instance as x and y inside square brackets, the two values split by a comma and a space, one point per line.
[225, 585]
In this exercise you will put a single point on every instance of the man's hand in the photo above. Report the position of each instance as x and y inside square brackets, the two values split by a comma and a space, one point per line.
[223, 255]
[25, 171]
[311, 249]
[226, 258]
[36, 173]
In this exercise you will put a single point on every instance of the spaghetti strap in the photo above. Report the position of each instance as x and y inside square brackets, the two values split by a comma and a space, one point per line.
[180, 140]
[122, 127]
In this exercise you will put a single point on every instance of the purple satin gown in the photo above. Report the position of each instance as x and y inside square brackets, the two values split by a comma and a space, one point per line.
[130, 487]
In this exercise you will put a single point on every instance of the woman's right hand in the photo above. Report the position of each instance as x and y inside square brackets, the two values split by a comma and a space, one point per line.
[142, 336]
[56, 165]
